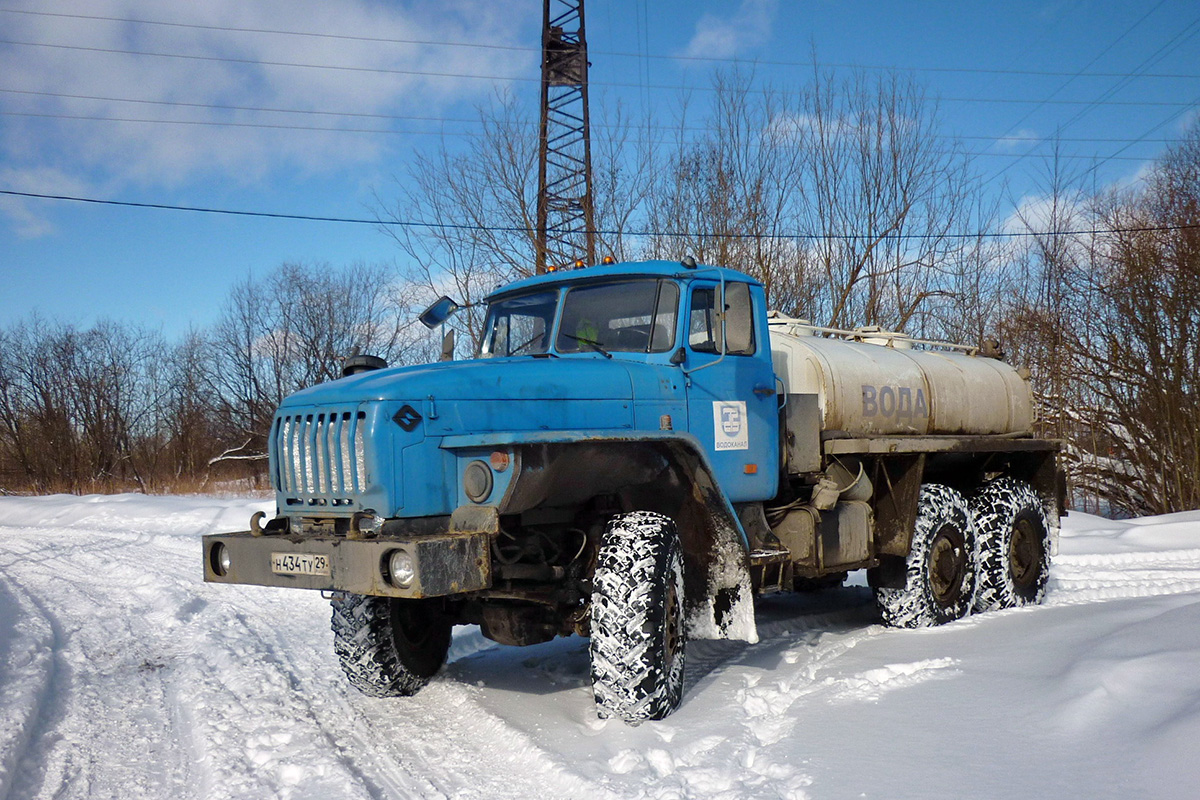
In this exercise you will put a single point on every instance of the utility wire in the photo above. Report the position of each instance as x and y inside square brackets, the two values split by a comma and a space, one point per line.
[1142, 138]
[1085, 67]
[1158, 55]
[300, 65]
[470, 76]
[534, 50]
[410, 117]
[690, 128]
[476, 135]
[666, 234]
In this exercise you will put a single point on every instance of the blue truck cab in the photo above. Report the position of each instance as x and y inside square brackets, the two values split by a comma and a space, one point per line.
[612, 411]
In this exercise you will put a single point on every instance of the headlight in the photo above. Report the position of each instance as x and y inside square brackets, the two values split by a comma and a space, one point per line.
[401, 569]
[477, 481]
[219, 559]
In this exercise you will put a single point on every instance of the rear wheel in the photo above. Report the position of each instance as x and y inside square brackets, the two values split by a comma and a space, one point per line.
[940, 570]
[1014, 545]
[637, 642]
[388, 647]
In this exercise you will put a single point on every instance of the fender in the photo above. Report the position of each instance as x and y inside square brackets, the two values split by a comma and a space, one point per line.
[662, 471]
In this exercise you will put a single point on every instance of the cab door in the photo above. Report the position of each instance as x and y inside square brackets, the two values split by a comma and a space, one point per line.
[731, 396]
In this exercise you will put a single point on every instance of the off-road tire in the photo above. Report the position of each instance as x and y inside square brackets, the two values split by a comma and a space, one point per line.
[1014, 545]
[388, 647]
[941, 566]
[637, 644]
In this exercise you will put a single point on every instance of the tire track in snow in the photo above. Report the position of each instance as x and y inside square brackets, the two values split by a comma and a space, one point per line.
[451, 744]
[380, 778]
[1091, 578]
[104, 570]
[27, 670]
[103, 685]
[252, 701]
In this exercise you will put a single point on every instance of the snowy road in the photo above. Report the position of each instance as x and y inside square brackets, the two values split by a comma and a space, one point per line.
[123, 675]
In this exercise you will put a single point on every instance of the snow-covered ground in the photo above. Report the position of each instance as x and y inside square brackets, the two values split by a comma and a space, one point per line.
[123, 675]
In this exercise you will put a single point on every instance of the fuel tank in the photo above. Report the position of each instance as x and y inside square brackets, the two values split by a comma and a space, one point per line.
[875, 383]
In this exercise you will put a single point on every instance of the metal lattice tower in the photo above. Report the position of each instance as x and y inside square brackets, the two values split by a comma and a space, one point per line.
[565, 229]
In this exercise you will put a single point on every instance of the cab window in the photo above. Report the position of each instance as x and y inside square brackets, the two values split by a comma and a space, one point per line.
[704, 323]
[519, 325]
[630, 317]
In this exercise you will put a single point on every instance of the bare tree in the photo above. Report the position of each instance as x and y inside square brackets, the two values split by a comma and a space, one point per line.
[466, 218]
[887, 199]
[731, 195]
[73, 403]
[1138, 349]
[292, 330]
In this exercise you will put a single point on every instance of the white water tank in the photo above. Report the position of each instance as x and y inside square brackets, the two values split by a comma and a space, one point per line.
[881, 386]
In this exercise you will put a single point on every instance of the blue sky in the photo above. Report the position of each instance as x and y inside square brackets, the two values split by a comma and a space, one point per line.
[1124, 77]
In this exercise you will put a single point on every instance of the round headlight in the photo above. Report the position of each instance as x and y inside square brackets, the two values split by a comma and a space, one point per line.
[477, 481]
[220, 559]
[401, 569]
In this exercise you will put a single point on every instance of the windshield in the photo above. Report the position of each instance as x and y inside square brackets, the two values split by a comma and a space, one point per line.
[520, 325]
[634, 316]
[630, 317]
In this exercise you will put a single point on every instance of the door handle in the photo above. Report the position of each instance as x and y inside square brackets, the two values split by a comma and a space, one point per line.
[763, 390]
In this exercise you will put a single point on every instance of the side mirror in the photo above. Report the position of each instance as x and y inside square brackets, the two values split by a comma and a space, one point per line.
[438, 312]
[679, 356]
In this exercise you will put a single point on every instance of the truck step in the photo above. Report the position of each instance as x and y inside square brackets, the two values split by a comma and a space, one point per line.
[771, 570]
[773, 556]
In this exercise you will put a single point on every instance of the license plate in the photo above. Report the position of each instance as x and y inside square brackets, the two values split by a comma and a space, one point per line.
[300, 564]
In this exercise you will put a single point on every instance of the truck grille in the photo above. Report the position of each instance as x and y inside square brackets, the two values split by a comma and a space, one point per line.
[320, 458]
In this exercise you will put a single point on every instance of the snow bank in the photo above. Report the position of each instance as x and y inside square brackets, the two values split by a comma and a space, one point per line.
[123, 675]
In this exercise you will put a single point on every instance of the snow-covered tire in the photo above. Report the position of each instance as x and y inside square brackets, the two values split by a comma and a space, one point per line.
[388, 647]
[1014, 545]
[637, 631]
[941, 566]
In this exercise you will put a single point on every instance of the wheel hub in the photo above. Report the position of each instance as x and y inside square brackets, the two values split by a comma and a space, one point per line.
[672, 625]
[1024, 553]
[947, 565]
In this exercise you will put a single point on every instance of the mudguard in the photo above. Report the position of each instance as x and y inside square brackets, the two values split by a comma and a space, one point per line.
[662, 471]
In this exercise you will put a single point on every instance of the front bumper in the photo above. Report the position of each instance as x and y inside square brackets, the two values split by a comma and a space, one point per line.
[446, 564]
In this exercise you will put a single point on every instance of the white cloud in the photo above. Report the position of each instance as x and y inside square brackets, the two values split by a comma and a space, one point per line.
[1189, 118]
[25, 213]
[724, 37]
[119, 154]
[1042, 213]
[1022, 139]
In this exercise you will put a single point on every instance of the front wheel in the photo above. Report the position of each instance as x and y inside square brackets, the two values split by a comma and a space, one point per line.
[637, 632]
[1014, 545]
[388, 647]
[940, 570]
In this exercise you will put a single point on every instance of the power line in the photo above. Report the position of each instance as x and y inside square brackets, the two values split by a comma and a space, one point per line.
[620, 54]
[667, 234]
[1158, 55]
[258, 62]
[1096, 58]
[273, 31]
[224, 107]
[410, 117]
[1153, 129]
[475, 135]
[231, 124]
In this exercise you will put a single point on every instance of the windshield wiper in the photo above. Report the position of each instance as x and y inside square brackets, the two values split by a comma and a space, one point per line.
[590, 343]
[521, 347]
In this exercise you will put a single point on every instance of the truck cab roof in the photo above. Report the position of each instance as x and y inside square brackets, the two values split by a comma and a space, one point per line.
[623, 269]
